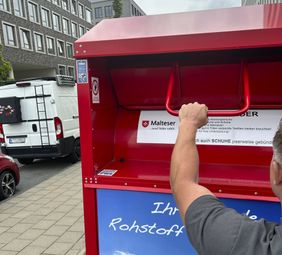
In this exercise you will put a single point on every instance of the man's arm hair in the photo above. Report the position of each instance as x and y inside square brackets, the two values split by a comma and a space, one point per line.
[184, 167]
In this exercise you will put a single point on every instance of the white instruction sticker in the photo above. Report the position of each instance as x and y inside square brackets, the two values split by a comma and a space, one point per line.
[95, 90]
[107, 172]
[254, 128]
[82, 71]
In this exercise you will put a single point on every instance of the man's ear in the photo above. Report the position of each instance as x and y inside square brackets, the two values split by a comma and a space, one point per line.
[277, 173]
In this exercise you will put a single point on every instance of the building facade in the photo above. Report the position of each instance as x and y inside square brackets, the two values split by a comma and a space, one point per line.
[251, 2]
[103, 9]
[38, 36]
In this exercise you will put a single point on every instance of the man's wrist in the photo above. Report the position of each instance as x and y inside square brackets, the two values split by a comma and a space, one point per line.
[188, 130]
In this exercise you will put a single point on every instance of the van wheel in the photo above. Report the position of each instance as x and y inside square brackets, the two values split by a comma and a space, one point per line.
[75, 155]
[8, 185]
[25, 161]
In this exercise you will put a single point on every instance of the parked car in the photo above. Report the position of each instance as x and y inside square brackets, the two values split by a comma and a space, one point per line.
[9, 176]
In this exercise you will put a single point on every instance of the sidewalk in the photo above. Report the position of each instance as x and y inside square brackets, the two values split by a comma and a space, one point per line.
[46, 219]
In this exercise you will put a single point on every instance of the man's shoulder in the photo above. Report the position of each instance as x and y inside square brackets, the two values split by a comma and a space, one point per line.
[227, 231]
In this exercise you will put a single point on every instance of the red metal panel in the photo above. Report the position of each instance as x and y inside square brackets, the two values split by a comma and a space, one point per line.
[245, 27]
[218, 91]
[89, 196]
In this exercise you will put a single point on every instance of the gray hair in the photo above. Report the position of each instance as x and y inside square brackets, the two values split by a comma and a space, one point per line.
[277, 145]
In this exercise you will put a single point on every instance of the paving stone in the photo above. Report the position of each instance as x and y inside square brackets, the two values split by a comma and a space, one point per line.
[24, 203]
[44, 224]
[32, 219]
[5, 205]
[80, 244]
[31, 234]
[56, 230]
[42, 201]
[75, 213]
[64, 208]
[3, 229]
[16, 245]
[54, 216]
[33, 207]
[22, 214]
[62, 199]
[14, 210]
[32, 250]
[44, 241]
[73, 252]
[58, 248]
[8, 252]
[10, 222]
[43, 221]
[43, 211]
[7, 237]
[73, 201]
[77, 226]
[70, 237]
[20, 227]
[67, 221]
[53, 204]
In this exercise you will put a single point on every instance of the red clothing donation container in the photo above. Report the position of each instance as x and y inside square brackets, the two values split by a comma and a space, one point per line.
[133, 75]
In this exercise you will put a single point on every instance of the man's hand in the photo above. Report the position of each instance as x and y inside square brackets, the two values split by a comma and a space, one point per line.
[194, 114]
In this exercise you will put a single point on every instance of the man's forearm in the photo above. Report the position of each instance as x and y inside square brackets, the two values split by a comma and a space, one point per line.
[185, 159]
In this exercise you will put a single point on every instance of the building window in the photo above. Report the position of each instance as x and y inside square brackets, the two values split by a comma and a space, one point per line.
[80, 11]
[19, 8]
[45, 16]
[56, 22]
[62, 69]
[25, 39]
[61, 48]
[5, 5]
[98, 13]
[38, 42]
[66, 26]
[33, 12]
[9, 32]
[71, 71]
[134, 11]
[69, 50]
[108, 11]
[56, 2]
[73, 7]
[81, 30]
[88, 17]
[74, 31]
[65, 4]
[51, 48]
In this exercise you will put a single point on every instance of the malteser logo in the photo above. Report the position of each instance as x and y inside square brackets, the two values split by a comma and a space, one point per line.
[145, 123]
[158, 124]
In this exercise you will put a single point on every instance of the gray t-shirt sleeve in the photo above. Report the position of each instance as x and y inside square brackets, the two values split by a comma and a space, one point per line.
[214, 229]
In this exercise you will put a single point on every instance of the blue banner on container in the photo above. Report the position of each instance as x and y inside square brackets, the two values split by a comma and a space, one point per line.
[138, 223]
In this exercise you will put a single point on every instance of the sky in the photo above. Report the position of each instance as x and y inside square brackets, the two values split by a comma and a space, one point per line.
[168, 6]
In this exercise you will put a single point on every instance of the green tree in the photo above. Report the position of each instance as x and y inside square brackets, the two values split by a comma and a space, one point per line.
[117, 6]
[5, 68]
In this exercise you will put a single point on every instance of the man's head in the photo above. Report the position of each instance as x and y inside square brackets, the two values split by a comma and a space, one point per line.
[276, 164]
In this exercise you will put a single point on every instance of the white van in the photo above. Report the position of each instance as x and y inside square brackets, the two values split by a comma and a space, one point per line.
[39, 119]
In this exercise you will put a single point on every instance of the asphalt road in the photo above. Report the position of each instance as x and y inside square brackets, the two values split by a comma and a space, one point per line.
[39, 171]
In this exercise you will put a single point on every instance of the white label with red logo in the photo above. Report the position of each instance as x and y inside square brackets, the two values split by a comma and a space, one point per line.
[254, 128]
[157, 127]
[95, 90]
